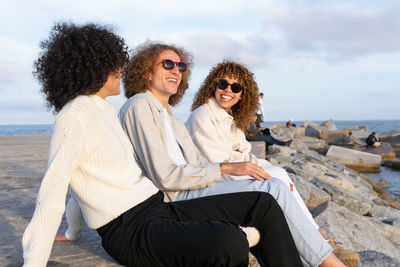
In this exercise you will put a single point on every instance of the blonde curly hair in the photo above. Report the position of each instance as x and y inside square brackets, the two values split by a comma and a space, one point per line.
[139, 68]
[247, 106]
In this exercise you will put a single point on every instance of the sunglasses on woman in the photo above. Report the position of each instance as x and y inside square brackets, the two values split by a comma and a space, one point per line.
[235, 87]
[168, 64]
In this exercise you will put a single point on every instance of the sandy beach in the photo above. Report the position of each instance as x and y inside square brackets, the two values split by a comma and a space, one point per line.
[23, 160]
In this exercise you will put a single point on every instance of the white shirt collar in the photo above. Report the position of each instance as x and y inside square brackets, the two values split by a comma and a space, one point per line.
[220, 113]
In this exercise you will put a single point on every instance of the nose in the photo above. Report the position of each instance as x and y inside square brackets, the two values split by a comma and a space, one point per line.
[175, 69]
[228, 89]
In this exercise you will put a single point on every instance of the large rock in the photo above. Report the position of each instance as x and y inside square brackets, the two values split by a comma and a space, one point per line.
[336, 137]
[385, 150]
[357, 128]
[386, 135]
[313, 196]
[360, 134]
[297, 131]
[395, 142]
[359, 233]
[313, 130]
[357, 141]
[330, 125]
[391, 164]
[313, 143]
[342, 184]
[354, 159]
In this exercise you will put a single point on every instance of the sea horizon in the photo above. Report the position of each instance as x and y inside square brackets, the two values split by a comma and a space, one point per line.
[373, 125]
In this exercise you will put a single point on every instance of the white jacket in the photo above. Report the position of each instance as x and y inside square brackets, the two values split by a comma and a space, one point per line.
[215, 134]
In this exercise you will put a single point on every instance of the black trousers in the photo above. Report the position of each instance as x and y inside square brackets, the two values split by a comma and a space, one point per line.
[200, 232]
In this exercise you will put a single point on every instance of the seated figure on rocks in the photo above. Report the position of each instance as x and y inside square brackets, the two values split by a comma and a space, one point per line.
[155, 79]
[224, 104]
[372, 140]
[253, 133]
[290, 123]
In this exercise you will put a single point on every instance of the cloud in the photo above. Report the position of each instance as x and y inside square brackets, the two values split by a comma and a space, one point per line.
[337, 31]
[23, 104]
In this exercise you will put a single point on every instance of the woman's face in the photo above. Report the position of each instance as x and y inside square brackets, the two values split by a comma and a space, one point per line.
[226, 99]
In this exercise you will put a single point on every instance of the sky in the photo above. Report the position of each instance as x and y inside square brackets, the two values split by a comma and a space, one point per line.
[313, 60]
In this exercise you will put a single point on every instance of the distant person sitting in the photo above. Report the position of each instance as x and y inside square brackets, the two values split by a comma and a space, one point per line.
[253, 133]
[372, 140]
[260, 110]
[290, 123]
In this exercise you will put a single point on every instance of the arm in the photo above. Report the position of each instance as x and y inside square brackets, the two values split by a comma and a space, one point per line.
[75, 222]
[208, 141]
[65, 150]
[145, 132]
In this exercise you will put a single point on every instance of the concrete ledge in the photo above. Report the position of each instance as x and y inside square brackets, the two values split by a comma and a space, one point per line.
[354, 159]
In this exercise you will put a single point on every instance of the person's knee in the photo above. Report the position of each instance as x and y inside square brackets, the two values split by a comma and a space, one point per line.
[232, 246]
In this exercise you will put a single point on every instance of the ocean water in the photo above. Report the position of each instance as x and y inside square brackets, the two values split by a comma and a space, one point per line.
[390, 175]
[25, 129]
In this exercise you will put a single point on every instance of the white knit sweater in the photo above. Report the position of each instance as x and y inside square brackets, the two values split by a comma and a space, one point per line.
[90, 152]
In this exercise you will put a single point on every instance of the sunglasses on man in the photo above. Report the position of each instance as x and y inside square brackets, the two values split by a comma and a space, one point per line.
[235, 87]
[168, 64]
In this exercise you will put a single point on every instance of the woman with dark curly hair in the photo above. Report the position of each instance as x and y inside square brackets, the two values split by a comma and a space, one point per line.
[90, 153]
[169, 158]
[222, 108]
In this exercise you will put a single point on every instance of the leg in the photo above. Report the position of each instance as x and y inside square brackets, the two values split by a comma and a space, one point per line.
[281, 174]
[310, 244]
[149, 235]
[256, 209]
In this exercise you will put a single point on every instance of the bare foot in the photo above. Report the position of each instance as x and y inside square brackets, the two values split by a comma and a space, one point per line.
[60, 237]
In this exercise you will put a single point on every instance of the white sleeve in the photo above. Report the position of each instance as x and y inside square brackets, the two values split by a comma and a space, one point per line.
[65, 150]
[74, 218]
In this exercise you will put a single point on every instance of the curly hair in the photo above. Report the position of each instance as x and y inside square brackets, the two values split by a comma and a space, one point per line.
[76, 60]
[247, 106]
[139, 68]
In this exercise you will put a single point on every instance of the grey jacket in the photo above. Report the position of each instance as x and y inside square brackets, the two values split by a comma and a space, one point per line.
[142, 119]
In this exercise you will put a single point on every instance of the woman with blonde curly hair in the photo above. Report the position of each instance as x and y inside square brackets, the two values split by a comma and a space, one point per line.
[222, 108]
[169, 158]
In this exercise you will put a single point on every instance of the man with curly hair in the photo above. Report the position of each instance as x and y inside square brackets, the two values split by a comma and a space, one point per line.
[90, 153]
[155, 79]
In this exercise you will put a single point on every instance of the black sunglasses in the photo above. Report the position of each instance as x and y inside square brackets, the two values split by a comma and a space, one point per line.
[235, 87]
[168, 64]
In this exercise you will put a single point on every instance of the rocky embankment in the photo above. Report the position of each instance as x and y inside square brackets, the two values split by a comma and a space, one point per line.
[359, 213]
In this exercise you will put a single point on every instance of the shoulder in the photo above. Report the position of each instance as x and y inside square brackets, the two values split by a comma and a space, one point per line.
[136, 104]
[199, 118]
[81, 107]
[200, 113]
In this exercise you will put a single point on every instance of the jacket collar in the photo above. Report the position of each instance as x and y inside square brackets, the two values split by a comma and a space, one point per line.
[156, 103]
[219, 113]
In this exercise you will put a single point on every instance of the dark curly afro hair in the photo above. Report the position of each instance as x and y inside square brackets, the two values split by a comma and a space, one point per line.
[76, 60]
[243, 111]
[139, 68]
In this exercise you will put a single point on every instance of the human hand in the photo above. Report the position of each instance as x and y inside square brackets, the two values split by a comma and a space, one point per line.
[60, 237]
[245, 168]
